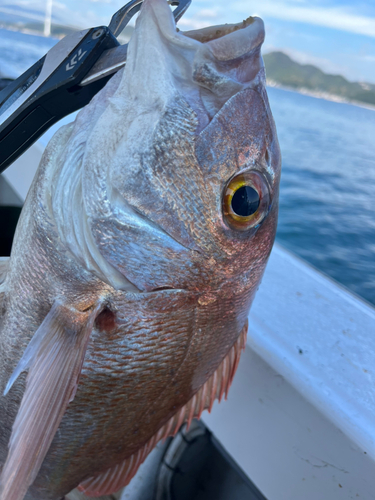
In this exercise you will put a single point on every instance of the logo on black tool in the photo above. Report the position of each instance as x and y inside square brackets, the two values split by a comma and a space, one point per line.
[74, 60]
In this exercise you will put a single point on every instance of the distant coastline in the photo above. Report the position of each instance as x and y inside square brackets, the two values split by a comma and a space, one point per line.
[319, 95]
[307, 79]
[36, 29]
[57, 31]
[282, 72]
[26, 31]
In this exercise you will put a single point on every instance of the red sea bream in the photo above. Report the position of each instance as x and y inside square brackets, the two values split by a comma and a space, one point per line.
[143, 239]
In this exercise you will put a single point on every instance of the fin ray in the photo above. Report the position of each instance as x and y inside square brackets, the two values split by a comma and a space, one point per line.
[4, 264]
[54, 360]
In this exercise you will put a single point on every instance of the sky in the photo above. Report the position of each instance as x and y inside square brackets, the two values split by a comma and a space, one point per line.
[336, 35]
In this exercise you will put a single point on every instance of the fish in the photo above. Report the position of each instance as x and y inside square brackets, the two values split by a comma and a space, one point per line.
[139, 250]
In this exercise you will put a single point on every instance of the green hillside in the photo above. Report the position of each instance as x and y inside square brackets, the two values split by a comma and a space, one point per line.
[283, 70]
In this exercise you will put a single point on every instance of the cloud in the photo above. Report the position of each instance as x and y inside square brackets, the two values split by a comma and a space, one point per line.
[202, 13]
[200, 19]
[29, 15]
[60, 5]
[208, 13]
[340, 18]
[188, 23]
[368, 58]
[35, 11]
[344, 18]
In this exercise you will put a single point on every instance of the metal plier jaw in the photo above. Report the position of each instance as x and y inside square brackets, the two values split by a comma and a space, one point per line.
[63, 81]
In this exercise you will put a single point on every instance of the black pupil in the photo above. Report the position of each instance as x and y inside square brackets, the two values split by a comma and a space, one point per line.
[245, 201]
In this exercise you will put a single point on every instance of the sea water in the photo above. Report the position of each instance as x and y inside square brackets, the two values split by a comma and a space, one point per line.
[327, 197]
[18, 51]
[327, 192]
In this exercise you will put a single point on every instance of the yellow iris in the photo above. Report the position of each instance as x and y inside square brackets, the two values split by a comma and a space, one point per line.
[254, 180]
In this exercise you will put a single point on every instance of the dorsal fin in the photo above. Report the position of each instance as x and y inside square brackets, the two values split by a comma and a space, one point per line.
[118, 476]
[54, 358]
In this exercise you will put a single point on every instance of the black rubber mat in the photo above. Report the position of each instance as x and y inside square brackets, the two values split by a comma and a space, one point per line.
[206, 472]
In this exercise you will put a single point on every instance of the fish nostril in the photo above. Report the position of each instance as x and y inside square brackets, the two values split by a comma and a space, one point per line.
[106, 320]
[267, 158]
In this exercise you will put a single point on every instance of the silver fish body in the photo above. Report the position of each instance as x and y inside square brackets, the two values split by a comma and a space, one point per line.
[130, 281]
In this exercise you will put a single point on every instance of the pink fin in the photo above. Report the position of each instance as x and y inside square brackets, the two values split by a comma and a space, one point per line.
[4, 262]
[54, 358]
[115, 478]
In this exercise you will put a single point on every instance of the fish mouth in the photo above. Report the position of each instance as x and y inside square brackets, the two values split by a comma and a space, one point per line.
[228, 61]
[210, 33]
[206, 66]
[230, 41]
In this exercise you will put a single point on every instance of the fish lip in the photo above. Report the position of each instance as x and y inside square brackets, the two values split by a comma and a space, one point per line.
[230, 42]
[214, 32]
[208, 33]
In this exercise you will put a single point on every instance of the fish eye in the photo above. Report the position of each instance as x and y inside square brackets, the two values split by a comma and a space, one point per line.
[245, 200]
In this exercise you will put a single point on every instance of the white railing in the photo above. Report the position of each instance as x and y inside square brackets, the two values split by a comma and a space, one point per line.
[300, 417]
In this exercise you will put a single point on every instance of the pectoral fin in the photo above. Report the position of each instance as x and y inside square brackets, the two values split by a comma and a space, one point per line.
[4, 261]
[54, 358]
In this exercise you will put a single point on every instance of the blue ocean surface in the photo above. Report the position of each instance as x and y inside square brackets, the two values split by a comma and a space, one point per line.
[18, 51]
[327, 192]
[327, 197]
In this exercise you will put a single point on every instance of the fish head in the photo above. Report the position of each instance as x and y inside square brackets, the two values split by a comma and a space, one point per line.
[181, 169]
